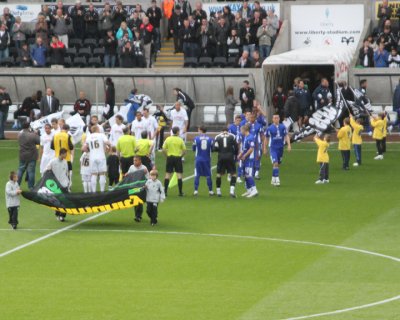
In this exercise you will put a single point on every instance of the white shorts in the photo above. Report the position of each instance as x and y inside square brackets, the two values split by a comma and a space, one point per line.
[98, 166]
[45, 162]
[86, 177]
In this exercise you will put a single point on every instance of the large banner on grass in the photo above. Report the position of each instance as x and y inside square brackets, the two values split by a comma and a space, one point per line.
[326, 25]
[235, 6]
[49, 192]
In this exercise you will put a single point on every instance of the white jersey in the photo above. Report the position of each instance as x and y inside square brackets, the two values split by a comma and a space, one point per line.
[178, 118]
[117, 130]
[45, 142]
[101, 130]
[85, 164]
[137, 128]
[96, 143]
[152, 126]
[133, 169]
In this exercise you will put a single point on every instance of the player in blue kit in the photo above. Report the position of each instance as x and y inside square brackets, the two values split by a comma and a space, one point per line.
[276, 135]
[234, 129]
[256, 130]
[202, 145]
[247, 155]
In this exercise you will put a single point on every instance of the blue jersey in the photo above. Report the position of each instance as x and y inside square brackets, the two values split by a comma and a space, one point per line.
[247, 144]
[202, 145]
[235, 130]
[262, 121]
[256, 131]
[276, 135]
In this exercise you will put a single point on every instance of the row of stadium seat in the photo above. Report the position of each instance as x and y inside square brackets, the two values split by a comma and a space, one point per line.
[207, 62]
[216, 114]
[77, 62]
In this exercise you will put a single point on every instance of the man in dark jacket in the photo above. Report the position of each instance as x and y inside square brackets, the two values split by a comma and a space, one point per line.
[28, 154]
[146, 35]
[278, 101]
[82, 106]
[246, 96]
[5, 102]
[384, 13]
[292, 109]
[221, 37]
[118, 15]
[366, 55]
[49, 104]
[155, 16]
[304, 99]
[78, 20]
[91, 19]
[320, 94]
[176, 23]
[187, 37]
[110, 49]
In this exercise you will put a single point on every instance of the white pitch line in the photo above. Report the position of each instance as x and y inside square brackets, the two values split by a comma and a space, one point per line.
[49, 235]
[58, 231]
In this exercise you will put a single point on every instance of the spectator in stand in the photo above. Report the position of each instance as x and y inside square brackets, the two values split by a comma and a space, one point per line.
[230, 103]
[304, 98]
[123, 29]
[246, 96]
[187, 37]
[257, 61]
[24, 56]
[92, 19]
[186, 7]
[38, 53]
[155, 16]
[4, 42]
[82, 106]
[41, 29]
[138, 47]
[366, 55]
[140, 11]
[384, 14]
[168, 10]
[18, 32]
[228, 16]
[381, 56]
[321, 94]
[78, 20]
[56, 51]
[273, 21]
[25, 110]
[134, 22]
[388, 37]
[46, 13]
[60, 24]
[8, 18]
[110, 49]
[109, 98]
[264, 34]
[245, 11]
[256, 22]
[291, 109]
[233, 43]
[221, 37]
[261, 10]
[249, 38]
[118, 15]
[278, 101]
[61, 6]
[176, 24]
[105, 20]
[206, 39]
[146, 35]
[127, 56]
[394, 59]
[238, 24]
[199, 14]
[5, 102]
[244, 61]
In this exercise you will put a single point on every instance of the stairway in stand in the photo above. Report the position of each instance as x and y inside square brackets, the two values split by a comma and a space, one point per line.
[167, 58]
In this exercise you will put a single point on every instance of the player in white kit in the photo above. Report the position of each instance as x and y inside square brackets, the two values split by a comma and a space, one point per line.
[46, 153]
[86, 173]
[138, 125]
[179, 118]
[152, 126]
[97, 145]
[117, 130]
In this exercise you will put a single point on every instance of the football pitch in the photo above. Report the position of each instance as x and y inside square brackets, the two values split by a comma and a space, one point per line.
[299, 251]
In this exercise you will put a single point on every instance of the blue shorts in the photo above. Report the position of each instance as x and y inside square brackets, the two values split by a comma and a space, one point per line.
[276, 155]
[202, 168]
[248, 167]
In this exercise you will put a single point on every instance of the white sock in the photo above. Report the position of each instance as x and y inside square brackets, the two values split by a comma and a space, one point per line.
[84, 186]
[102, 181]
[70, 179]
[256, 174]
[218, 190]
[15, 121]
[93, 182]
[232, 189]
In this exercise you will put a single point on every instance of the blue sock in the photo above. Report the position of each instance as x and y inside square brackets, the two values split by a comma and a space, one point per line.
[250, 182]
[196, 182]
[275, 172]
[209, 183]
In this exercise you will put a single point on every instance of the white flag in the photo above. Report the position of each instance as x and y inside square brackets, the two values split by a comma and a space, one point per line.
[39, 124]
[76, 125]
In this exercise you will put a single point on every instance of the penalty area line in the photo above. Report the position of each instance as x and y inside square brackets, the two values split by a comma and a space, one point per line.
[58, 231]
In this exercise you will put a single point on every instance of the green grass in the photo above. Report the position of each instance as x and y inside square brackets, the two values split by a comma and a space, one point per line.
[114, 268]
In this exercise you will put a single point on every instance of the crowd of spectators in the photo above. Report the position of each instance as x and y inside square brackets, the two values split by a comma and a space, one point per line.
[244, 38]
[82, 36]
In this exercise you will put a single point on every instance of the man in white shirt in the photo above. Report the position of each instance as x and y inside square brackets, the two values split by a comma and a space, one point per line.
[138, 125]
[117, 130]
[152, 126]
[97, 144]
[137, 166]
[179, 118]
[46, 153]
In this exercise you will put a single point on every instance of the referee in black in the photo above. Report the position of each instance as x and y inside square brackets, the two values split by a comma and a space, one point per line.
[174, 149]
[226, 146]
